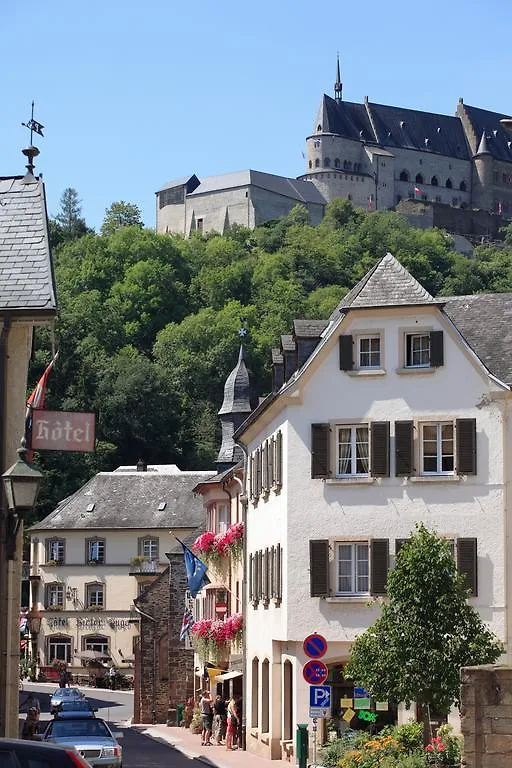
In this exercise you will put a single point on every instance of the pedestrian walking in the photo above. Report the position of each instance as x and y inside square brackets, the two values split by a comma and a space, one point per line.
[232, 725]
[30, 725]
[205, 707]
[220, 720]
[112, 677]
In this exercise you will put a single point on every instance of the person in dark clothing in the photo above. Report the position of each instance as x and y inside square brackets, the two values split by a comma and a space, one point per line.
[220, 719]
[238, 708]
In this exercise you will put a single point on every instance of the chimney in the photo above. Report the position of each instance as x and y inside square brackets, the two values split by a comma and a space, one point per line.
[142, 466]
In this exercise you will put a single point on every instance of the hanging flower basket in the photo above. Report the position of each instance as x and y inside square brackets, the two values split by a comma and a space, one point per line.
[211, 637]
[213, 548]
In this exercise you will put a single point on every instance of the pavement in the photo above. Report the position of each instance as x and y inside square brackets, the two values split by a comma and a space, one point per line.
[189, 744]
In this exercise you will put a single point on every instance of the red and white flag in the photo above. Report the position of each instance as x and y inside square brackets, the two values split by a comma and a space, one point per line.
[36, 402]
[418, 191]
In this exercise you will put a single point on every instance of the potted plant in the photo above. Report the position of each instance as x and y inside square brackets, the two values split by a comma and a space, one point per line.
[137, 561]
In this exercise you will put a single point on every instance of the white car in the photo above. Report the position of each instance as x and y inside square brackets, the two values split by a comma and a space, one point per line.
[90, 736]
[64, 694]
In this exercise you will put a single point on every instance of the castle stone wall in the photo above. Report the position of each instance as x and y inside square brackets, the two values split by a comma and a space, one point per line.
[486, 716]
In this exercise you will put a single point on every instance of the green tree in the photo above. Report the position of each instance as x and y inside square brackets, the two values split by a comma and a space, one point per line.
[119, 215]
[68, 224]
[427, 630]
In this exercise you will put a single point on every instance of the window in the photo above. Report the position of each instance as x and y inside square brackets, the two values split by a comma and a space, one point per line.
[55, 551]
[95, 551]
[222, 522]
[310, 164]
[352, 450]
[369, 351]
[95, 595]
[98, 643]
[462, 186]
[54, 595]
[404, 176]
[148, 547]
[337, 162]
[449, 184]
[317, 163]
[58, 647]
[327, 162]
[352, 569]
[419, 178]
[417, 350]
[434, 182]
[199, 225]
[437, 449]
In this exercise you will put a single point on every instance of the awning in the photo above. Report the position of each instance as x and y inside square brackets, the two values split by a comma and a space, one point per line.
[228, 676]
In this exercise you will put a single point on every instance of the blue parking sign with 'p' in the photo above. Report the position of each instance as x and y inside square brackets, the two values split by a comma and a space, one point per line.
[320, 696]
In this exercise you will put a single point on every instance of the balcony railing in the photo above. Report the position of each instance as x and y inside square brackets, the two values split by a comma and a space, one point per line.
[143, 566]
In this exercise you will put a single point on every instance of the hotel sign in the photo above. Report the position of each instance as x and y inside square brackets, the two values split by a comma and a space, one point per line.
[62, 431]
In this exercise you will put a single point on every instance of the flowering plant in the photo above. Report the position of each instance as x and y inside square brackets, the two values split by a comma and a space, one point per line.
[445, 748]
[212, 547]
[211, 636]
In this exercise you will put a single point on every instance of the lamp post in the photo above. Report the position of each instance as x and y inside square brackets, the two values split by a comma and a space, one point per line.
[21, 485]
[34, 624]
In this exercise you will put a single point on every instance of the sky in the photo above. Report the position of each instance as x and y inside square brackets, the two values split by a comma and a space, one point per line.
[135, 94]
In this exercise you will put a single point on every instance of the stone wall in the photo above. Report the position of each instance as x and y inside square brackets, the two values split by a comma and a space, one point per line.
[486, 716]
[164, 669]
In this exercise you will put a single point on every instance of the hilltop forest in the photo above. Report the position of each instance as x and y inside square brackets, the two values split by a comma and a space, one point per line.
[148, 325]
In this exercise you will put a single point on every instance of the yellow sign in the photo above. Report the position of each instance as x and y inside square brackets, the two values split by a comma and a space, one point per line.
[213, 672]
[344, 703]
[349, 714]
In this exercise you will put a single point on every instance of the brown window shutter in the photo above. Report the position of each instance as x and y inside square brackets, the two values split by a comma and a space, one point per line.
[270, 462]
[278, 468]
[320, 437]
[467, 563]
[404, 448]
[279, 571]
[87, 542]
[251, 591]
[436, 349]
[379, 564]
[379, 449]
[466, 446]
[266, 576]
[319, 567]
[264, 467]
[260, 574]
[346, 354]
[272, 571]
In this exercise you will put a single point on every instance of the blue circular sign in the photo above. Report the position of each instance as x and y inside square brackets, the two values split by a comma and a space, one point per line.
[315, 646]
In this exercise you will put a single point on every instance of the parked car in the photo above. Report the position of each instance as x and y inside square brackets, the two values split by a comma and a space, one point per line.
[90, 736]
[25, 754]
[75, 707]
[64, 694]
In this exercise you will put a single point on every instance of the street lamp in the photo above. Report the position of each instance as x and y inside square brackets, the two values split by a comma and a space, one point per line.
[34, 624]
[21, 485]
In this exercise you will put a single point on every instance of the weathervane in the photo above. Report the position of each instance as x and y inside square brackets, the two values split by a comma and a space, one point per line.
[242, 332]
[34, 126]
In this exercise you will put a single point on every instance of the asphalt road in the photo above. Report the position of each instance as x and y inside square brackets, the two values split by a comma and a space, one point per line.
[139, 751]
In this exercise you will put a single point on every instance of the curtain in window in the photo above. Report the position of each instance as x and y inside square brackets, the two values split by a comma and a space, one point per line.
[344, 451]
[362, 454]
[345, 568]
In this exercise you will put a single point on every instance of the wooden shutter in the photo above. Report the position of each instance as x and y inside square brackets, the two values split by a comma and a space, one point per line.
[379, 439]
[272, 557]
[266, 576]
[260, 574]
[466, 446]
[251, 475]
[270, 462]
[467, 563]
[257, 473]
[346, 355]
[264, 467]
[251, 588]
[436, 349]
[404, 448]
[278, 466]
[320, 437]
[140, 546]
[279, 572]
[379, 565]
[319, 567]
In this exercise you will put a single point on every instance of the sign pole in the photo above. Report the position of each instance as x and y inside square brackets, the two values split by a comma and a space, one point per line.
[314, 741]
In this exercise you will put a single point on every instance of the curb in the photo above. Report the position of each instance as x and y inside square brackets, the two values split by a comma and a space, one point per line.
[158, 735]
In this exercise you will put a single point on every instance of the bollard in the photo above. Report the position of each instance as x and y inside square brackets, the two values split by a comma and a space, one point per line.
[302, 744]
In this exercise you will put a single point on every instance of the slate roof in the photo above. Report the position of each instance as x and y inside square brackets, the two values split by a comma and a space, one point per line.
[237, 390]
[387, 284]
[497, 138]
[309, 329]
[302, 191]
[130, 500]
[26, 276]
[485, 321]
[220, 478]
[288, 343]
[277, 357]
[188, 181]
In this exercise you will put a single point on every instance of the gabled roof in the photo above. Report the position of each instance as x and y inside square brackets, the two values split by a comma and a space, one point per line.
[26, 276]
[191, 182]
[130, 500]
[387, 284]
[497, 138]
[302, 191]
[309, 329]
[485, 322]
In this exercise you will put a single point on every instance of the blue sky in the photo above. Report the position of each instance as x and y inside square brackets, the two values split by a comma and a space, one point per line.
[133, 94]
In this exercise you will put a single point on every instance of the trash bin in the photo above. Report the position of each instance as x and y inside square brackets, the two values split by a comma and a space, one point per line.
[180, 708]
[302, 745]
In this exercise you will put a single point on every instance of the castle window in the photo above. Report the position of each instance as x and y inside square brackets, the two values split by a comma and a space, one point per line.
[504, 178]
[349, 197]
[319, 129]
[434, 181]
[345, 164]
[199, 225]
[404, 176]
[310, 164]
[327, 162]
[438, 198]
[337, 162]
[317, 163]
[419, 179]
[449, 184]
[349, 165]
[462, 186]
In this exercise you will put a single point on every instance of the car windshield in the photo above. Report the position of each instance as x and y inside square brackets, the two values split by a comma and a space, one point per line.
[75, 706]
[62, 729]
[67, 693]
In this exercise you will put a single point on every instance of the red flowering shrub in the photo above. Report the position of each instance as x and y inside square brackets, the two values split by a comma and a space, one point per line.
[211, 546]
[211, 636]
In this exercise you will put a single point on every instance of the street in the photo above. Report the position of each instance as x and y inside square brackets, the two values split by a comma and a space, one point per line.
[116, 707]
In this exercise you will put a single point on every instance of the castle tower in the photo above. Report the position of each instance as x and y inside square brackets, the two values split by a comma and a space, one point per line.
[237, 405]
[483, 176]
[338, 85]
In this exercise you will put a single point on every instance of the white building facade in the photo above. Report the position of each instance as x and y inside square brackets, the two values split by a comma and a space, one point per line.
[393, 419]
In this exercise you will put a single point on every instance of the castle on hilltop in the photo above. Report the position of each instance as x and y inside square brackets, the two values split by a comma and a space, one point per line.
[375, 155]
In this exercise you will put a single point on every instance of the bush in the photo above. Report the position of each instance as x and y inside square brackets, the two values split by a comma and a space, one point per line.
[446, 747]
[409, 735]
[331, 754]
[405, 761]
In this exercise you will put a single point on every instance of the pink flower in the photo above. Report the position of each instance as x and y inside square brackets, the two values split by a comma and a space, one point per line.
[429, 748]
[220, 544]
[204, 542]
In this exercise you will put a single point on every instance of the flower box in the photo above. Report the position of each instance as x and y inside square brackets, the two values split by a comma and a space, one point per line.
[213, 547]
[211, 637]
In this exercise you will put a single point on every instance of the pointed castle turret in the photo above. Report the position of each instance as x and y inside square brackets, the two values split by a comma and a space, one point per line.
[237, 405]
[338, 85]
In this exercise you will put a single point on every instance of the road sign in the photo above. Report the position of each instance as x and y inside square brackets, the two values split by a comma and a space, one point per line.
[320, 696]
[315, 672]
[315, 646]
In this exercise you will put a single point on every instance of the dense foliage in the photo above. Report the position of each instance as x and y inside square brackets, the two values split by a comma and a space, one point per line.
[148, 324]
[426, 632]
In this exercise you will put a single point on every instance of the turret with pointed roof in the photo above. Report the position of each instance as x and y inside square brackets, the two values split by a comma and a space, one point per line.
[237, 405]
[338, 85]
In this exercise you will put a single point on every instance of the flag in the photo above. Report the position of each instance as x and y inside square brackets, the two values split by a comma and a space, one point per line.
[187, 624]
[36, 402]
[196, 571]
[500, 208]
[35, 126]
[418, 191]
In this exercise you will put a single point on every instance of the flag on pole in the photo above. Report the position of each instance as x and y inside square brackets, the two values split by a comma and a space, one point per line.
[187, 624]
[36, 402]
[418, 191]
[500, 208]
[196, 571]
